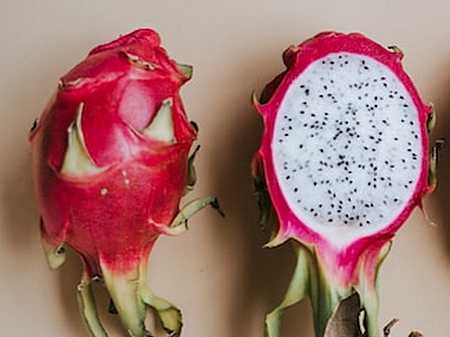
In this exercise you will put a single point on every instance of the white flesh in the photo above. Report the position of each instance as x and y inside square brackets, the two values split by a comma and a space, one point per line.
[347, 110]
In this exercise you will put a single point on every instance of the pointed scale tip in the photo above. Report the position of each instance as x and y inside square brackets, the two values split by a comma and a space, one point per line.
[426, 215]
[433, 165]
[258, 106]
[396, 50]
[186, 70]
[289, 54]
[161, 127]
[77, 161]
[278, 240]
[431, 121]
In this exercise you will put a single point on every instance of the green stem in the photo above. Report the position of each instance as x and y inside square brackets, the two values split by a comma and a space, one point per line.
[169, 315]
[87, 307]
[311, 278]
[179, 224]
[298, 289]
[132, 299]
[124, 291]
[325, 294]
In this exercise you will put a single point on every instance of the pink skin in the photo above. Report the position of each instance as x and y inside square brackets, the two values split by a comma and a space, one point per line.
[112, 216]
[341, 263]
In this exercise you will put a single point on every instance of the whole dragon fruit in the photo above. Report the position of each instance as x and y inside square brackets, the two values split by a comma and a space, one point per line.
[110, 165]
[343, 161]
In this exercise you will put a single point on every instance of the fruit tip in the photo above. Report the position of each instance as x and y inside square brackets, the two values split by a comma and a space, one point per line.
[397, 51]
[186, 70]
[168, 102]
[256, 103]
[215, 205]
[389, 326]
[194, 126]
[289, 54]
[278, 240]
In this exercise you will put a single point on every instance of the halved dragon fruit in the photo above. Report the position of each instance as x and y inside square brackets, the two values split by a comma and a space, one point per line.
[110, 165]
[344, 159]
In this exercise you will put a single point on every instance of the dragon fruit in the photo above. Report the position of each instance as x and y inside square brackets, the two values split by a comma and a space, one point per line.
[343, 161]
[110, 164]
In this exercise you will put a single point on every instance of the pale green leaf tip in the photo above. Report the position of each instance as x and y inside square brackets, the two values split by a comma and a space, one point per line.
[279, 239]
[431, 122]
[56, 255]
[192, 175]
[77, 161]
[161, 127]
[186, 70]
[179, 224]
[170, 316]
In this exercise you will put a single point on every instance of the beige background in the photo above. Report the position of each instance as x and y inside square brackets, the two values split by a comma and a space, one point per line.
[217, 272]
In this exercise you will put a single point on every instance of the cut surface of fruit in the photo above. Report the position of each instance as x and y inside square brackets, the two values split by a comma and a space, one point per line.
[347, 146]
